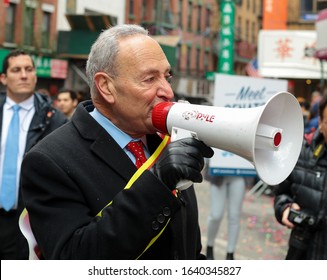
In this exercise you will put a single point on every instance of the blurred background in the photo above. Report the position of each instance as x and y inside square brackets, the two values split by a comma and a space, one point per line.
[199, 37]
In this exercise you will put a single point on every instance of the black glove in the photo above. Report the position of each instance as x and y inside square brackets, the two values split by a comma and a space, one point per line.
[182, 159]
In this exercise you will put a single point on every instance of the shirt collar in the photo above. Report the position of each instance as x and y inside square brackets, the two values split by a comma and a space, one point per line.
[120, 136]
[25, 105]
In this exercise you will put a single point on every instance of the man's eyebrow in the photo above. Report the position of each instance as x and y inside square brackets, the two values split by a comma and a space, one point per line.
[155, 71]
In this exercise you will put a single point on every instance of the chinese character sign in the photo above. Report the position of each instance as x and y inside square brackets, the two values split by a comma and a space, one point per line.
[288, 54]
[226, 40]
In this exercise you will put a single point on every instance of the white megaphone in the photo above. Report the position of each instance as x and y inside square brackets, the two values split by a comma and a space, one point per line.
[268, 136]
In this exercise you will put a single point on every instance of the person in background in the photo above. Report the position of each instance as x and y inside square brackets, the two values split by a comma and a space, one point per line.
[67, 102]
[34, 117]
[305, 107]
[301, 200]
[94, 194]
[315, 98]
[312, 122]
[226, 191]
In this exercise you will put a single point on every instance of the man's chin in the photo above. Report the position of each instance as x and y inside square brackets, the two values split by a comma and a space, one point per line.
[25, 92]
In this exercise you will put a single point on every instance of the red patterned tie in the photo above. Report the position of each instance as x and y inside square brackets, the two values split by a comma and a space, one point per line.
[136, 148]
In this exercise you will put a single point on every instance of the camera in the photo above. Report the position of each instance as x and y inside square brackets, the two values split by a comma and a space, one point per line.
[301, 218]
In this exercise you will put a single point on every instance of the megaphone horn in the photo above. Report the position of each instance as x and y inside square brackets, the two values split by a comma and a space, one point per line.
[268, 136]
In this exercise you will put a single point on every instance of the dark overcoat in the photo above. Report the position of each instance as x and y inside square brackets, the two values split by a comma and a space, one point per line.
[75, 172]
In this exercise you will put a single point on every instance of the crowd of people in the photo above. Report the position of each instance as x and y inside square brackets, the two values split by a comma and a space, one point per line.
[97, 180]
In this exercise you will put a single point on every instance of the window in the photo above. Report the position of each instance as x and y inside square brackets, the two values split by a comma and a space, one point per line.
[180, 12]
[322, 4]
[306, 5]
[208, 17]
[310, 8]
[154, 9]
[253, 32]
[29, 26]
[247, 26]
[238, 30]
[10, 23]
[206, 61]
[189, 16]
[178, 54]
[46, 29]
[188, 59]
[198, 53]
[199, 19]
[131, 8]
[167, 15]
[144, 10]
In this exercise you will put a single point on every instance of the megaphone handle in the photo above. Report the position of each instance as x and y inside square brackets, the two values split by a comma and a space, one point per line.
[184, 184]
[176, 134]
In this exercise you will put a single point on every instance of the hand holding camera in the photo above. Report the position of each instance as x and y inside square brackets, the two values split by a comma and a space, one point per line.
[301, 218]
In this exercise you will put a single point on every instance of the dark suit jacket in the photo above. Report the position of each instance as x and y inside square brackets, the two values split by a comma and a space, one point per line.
[45, 120]
[68, 177]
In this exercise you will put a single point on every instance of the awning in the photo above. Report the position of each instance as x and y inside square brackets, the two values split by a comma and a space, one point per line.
[75, 43]
[91, 22]
[86, 28]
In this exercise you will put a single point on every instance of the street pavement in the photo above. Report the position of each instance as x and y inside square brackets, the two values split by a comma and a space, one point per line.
[261, 236]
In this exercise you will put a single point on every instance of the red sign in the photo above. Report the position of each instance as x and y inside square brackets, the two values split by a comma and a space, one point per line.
[59, 68]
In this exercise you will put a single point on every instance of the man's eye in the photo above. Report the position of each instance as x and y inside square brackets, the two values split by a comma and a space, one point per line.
[169, 78]
[149, 80]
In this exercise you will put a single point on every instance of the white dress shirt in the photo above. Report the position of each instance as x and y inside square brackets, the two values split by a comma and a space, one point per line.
[26, 114]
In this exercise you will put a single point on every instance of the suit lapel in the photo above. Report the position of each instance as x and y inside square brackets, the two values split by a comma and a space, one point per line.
[106, 148]
[101, 143]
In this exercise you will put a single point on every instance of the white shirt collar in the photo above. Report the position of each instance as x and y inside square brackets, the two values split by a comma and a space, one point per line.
[25, 105]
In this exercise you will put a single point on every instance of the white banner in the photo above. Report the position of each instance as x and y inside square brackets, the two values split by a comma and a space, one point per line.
[233, 91]
[288, 54]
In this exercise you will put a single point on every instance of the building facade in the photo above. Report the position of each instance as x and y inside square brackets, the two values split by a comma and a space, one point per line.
[186, 30]
[79, 24]
[59, 34]
[30, 25]
[252, 16]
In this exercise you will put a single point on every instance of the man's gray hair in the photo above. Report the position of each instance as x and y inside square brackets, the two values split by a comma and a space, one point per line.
[103, 54]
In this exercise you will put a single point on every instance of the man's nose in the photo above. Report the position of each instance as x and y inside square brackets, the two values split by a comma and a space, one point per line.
[165, 89]
[23, 73]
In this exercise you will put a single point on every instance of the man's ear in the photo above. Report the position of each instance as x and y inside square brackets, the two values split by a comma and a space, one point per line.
[3, 79]
[75, 102]
[104, 85]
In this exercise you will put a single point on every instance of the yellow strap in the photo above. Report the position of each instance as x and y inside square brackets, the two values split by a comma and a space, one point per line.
[136, 175]
[318, 150]
[154, 239]
[145, 166]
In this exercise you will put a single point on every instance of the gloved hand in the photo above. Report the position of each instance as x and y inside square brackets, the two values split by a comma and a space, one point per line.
[182, 159]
